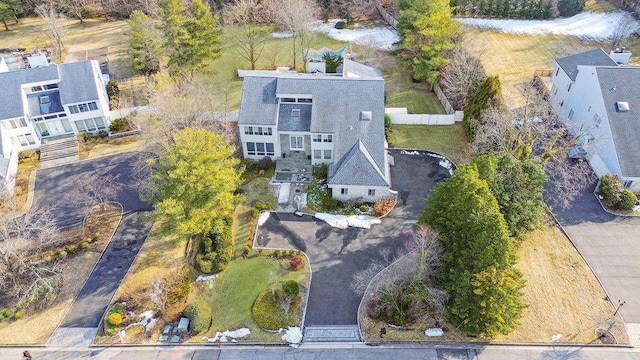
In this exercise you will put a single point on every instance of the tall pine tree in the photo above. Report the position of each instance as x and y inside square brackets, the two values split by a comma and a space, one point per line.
[477, 255]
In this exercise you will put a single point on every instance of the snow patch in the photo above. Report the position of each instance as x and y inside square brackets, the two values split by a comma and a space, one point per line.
[226, 335]
[293, 335]
[343, 221]
[262, 218]
[433, 332]
[587, 25]
[378, 37]
[146, 320]
[202, 278]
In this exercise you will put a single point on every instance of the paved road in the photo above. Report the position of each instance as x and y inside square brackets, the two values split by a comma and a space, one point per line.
[55, 188]
[337, 254]
[341, 352]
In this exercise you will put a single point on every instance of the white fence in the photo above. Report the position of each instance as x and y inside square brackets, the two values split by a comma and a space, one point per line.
[399, 116]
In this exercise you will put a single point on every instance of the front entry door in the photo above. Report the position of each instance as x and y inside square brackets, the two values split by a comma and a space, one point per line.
[296, 143]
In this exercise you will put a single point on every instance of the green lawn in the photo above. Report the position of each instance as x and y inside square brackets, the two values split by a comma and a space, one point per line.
[401, 91]
[235, 290]
[445, 139]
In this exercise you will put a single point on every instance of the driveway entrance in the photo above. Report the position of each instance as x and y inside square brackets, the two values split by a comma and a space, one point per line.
[337, 254]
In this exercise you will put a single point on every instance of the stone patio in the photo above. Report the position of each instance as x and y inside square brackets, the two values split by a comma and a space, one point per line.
[294, 167]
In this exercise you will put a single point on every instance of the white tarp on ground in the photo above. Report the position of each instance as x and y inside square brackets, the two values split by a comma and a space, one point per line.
[283, 194]
[293, 335]
[587, 25]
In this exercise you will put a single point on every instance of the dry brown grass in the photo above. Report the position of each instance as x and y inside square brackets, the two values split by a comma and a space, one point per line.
[37, 327]
[159, 258]
[515, 57]
[101, 147]
[25, 168]
[562, 294]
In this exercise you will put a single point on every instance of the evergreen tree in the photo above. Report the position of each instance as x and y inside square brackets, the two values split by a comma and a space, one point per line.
[427, 32]
[145, 41]
[192, 41]
[9, 10]
[477, 256]
[192, 185]
[486, 95]
[518, 186]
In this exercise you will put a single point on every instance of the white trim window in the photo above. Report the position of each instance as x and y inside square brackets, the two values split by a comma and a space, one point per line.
[261, 149]
[372, 192]
[84, 107]
[26, 139]
[344, 191]
[258, 130]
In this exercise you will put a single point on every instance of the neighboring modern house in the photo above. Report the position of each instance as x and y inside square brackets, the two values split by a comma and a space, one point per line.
[336, 120]
[598, 97]
[47, 101]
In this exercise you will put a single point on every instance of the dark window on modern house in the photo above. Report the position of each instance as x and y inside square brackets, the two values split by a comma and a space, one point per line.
[317, 138]
[23, 122]
[270, 149]
[365, 116]
[251, 148]
[561, 103]
[248, 130]
[73, 109]
[569, 87]
[372, 192]
[328, 138]
[571, 114]
[344, 191]
[259, 130]
[327, 154]
[45, 99]
[295, 112]
[51, 86]
[288, 100]
[307, 101]
[589, 109]
[36, 88]
[317, 154]
[93, 106]
[557, 71]
[260, 149]
[268, 131]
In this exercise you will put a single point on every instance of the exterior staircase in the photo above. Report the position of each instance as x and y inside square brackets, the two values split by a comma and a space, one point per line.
[331, 333]
[59, 151]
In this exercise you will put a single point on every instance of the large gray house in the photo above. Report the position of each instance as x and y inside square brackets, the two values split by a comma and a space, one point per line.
[47, 101]
[336, 120]
[597, 97]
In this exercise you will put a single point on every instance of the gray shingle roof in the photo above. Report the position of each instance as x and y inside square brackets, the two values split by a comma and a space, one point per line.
[287, 122]
[621, 84]
[595, 57]
[259, 104]
[337, 104]
[76, 85]
[10, 88]
[356, 168]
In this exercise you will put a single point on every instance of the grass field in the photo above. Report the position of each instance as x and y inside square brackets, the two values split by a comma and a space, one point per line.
[448, 140]
[235, 290]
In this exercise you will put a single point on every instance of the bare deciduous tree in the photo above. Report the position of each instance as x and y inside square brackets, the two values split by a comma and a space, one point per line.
[295, 16]
[249, 17]
[26, 274]
[95, 189]
[461, 77]
[55, 28]
[535, 131]
[184, 102]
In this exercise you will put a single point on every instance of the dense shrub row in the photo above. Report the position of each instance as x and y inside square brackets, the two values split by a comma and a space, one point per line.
[199, 314]
[523, 9]
[276, 307]
[216, 249]
[614, 194]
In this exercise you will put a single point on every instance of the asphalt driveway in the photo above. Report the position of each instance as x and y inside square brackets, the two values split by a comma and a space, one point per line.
[337, 254]
[55, 189]
[611, 246]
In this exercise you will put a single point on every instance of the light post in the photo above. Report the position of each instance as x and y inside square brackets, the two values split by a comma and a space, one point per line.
[620, 303]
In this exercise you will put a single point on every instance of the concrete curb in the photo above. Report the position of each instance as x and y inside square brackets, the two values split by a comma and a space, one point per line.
[94, 265]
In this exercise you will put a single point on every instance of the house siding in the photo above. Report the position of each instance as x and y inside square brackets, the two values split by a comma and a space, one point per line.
[359, 192]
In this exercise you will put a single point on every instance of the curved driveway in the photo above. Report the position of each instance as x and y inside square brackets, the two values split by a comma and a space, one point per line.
[55, 188]
[337, 254]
